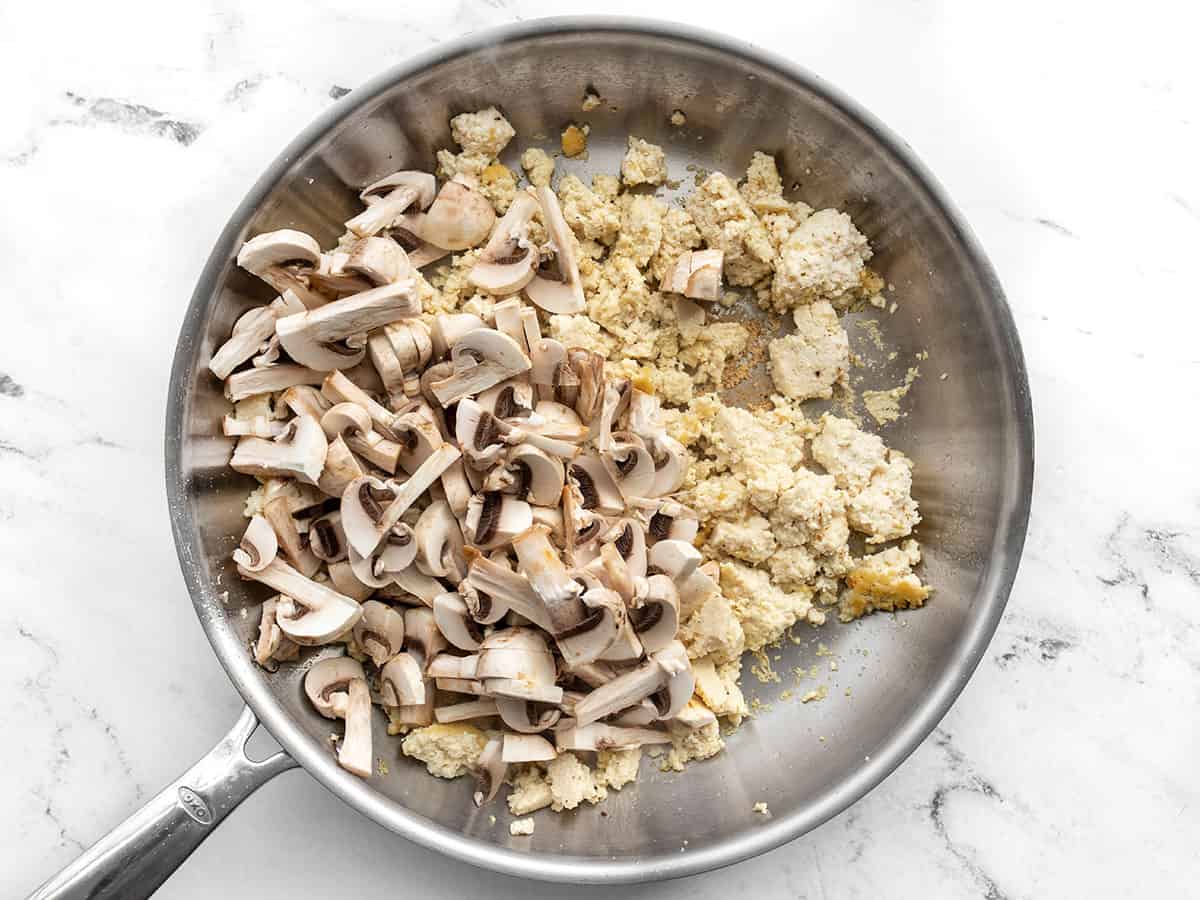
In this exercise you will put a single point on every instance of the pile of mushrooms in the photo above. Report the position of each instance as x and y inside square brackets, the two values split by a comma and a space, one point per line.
[480, 514]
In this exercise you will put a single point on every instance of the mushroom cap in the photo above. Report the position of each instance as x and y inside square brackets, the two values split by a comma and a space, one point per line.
[362, 499]
[380, 632]
[309, 613]
[509, 260]
[656, 621]
[258, 547]
[297, 453]
[565, 295]
[448, 328]
[541, 475]
[398, 550]
[455, 623]
[509, 400]
[342, 577]
[631, 467]
[422, 182]
[678, 559]
[439, 541]
[378, 259]
[401, 682]
[487, 345]
[517, 654]
[596, 486]
[278, 248]
[343, 417]
[671, 464]
[446, 665]
[460, 218]
[494, 519]
[317, 338]
[326, 538]
[327, 684]
[421, 631]
[518, 714]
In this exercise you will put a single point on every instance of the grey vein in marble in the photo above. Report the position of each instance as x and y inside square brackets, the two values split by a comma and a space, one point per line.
[10, 388]
[133, 117]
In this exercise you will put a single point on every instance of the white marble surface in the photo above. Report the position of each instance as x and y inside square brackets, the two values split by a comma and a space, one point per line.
[1068, 135]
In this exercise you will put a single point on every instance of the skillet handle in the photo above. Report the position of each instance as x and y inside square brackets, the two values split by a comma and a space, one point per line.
[136, 857]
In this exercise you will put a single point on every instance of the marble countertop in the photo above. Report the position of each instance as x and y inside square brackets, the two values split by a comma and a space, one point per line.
[1068, 766]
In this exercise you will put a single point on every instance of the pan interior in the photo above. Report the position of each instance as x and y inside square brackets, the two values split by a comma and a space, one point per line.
[965, 428]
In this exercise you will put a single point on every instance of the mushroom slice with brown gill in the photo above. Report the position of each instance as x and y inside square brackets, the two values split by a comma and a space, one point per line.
[656, 620]
[344, 581]
[482, 358]
[460, 218]
[418, 435]
[517, 663]
[440, 543]
[353, 425]
[617, 397]
[670, 457]
[309, 613]
[455, 623]
[461, 712]
[283, 260]
[272, 646]
[551, 373]
[383, 360]
[364, 498]
[449, 328]
[510, 400]
[252, 329]
[556, 286]
[479, 433]
[389, 198]
[527, 748]
[670, 520]
[317, 338]
[268, 379]
[531, 474]
[508, 261]
[405, 231]
[607, 635]
[525, 716]
[630, 465]
[394, 554]
[258, 547]
[331, 277]
[628, 535]
[338, 388]
[401, 682]
[588, 367]
[696, 274]
[297, 453]
[667, 671]
[421, 633]
[341, 467]
[380, 633]
[327, 684]
[597, 489]
[500, 590]
[599, 736]
[493, 519]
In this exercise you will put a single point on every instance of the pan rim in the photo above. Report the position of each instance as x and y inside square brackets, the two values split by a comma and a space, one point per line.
[992, 596]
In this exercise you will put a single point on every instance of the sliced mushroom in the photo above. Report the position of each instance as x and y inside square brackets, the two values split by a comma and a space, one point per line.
[383, 358]
[252, 329]
[258, 547]
[527, 748]
[530, 474]
[331, 276]
[406, 232]
[380, 633]
[338, 388]
[678, 559]
[494, 519]
[355, 751]
[556, 287]
[318, 338]
[440, 542]
[401, 682]
[482, 358]
[603, 624]
[588, 367]
[510, 400]
[447, 665]
[416, 587]
[509, 318]
[413, 347]
[628, 535]
[489, 770]
[668, 670]
[417, 434]
[457, 488]
[616, 400]
[596, 487]
[694, 715]
[379, 260]
[500, 590]
[669, 520]
[517, 663]
[327, 684]
[598, 736]
[524, 716]
[259, 426]
[352, 423]
[294, 546]
[508, 261]
[460, 218]
[326, 538]
[341, 468]
[479, 434]
[282, 259]
[656, 619]
[696, 274]
[342, 577]
[461, 712]
[309, 613]
[559, 592]
[670, 457]
[455, 623]
[550, 372]
[449, 328]
[389, 198]
[631, 466]
[269, 379]
[421, 631]
[298, 453]
[272, 647]
[305, 400]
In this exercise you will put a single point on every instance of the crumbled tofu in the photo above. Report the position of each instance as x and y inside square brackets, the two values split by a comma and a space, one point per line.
[521, 827]
[572, 782]
[688, 745]
[727, 223]
[884, 510]
[884, 580]
[761, 808]
[678, 119]
[848, 453]
[712, 349]
[750, 539]
[580, 331]
[450, 280]
[717, 495]
[641, 228]
[812, 513]
[530, 791]
[823, 259]
[644, 163]
[764, 610]
[617, 768]
[538, 166]
[679, 234]
[713, 630]
[763, 188]
[815, 357]
[574, 141]
[499, 184]
[483, 133]
[447, 750]
[717, 686]
[591, 215]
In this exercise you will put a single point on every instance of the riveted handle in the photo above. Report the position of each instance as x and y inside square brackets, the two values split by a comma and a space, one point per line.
[136, 857]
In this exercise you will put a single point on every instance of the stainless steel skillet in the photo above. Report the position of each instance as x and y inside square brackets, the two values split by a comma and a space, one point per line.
[970, 433]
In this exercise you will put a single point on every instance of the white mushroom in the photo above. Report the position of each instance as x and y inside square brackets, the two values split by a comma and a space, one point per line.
[406, 232]
[656, 619]
[630, 465]
[551, 374]
[597, 489]
[389, 198]
[289, 541]
[343, 579]
[327, 684]
[449, 328]
[330, 276]
[509, 400]
[529, 473]
[282, 259]
[556, 287]
[252, 329]
[508, 261]
[258, 547]
[272, 646]
[341, 468]
[482, 358]
[379, 260]
[526, 748]
[509, 319]
[337, 388]
[352, 423]
[440, 542]
[318, 338]
[517, 663]
[412, 348]
[494, 519]
[455, 623]
[668, 670]
[415, 585]
[540, 562]
[489, 770]
[588, 367]
[401, 682]
[670, 520]
[309, 613]
[696, 274]
[460, 218]
[499, 589]
[418, 436]
[268, 379]
[380, 633]
[598, 736]
[421, 631]
[259, 426]
[470, 709]
[670, 457]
